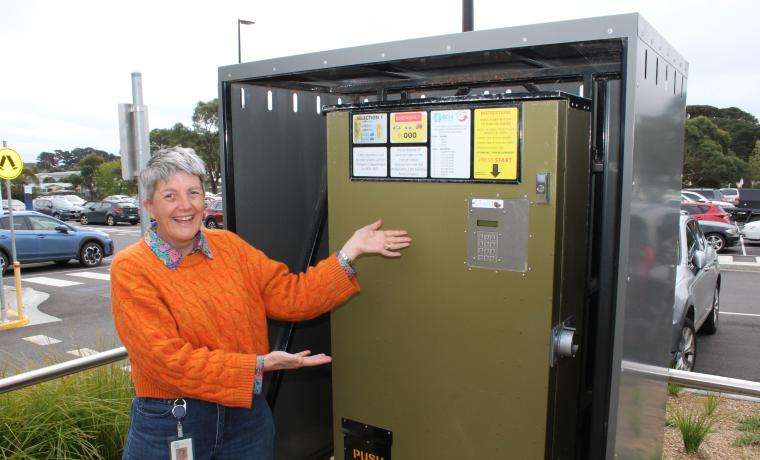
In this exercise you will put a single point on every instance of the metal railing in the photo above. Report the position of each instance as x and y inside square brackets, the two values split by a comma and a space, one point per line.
[707, 382]
[59, 370]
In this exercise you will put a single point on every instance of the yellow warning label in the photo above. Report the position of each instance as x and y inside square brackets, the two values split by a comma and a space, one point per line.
[10, 163]
[408, 127]
[496, 139]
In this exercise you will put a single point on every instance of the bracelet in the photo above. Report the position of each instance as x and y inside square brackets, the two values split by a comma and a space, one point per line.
[346, 264]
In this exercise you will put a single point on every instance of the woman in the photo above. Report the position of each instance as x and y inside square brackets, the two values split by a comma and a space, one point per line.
[191, 306]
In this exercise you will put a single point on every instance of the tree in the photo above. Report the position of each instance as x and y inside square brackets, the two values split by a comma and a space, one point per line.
[47, 161]
[75, 180]
[108, 179]
[740, 125]
[88, 167]
[753, 168]
[206, 126]
[708, 159]
[177, 135]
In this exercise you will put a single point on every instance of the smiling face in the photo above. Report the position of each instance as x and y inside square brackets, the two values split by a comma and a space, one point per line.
[177, 205]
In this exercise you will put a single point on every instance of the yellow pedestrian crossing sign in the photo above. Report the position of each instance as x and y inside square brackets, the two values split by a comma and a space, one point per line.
[11, 164]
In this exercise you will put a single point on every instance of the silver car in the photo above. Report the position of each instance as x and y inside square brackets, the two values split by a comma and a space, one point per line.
[697, 294]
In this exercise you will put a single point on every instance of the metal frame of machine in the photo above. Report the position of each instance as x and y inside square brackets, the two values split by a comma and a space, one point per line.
[272, 125]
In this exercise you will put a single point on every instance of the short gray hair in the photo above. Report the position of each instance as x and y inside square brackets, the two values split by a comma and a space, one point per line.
[168, 162]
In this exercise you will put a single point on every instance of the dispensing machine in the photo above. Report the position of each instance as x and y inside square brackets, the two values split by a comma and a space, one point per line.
[538, 170]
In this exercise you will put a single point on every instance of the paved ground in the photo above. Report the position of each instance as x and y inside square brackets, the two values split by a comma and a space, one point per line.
[734, 351]
[80, 303]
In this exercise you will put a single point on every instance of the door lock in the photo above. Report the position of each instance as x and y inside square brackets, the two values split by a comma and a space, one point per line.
[562, 343]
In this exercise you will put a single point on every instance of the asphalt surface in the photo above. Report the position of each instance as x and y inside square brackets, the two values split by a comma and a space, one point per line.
[82, 310]
[84, 321]
[734, 350]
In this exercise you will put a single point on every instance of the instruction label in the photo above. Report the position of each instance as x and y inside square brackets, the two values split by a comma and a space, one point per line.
[408, 161]
[370, 128]
[496, 141]
[370, 162]
[408, 127]
[450, 144]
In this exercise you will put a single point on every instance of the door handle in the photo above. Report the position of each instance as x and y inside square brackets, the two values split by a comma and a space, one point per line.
[562, 343]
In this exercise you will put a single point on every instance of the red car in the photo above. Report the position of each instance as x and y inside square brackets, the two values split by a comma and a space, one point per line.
[213, 216]
[706, 211]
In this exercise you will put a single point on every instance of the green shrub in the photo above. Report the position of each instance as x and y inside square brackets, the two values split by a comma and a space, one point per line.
[751, 424]
[711, 404]
[694, 428]
[751, 435]
[84, 415]
[673, 389]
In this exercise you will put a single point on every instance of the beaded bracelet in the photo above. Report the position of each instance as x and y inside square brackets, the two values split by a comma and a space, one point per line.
[346, 265]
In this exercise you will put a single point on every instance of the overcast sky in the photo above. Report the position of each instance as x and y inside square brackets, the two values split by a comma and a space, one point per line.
[65, 65]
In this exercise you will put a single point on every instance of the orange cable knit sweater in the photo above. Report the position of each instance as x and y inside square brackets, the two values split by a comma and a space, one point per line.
[195, 331]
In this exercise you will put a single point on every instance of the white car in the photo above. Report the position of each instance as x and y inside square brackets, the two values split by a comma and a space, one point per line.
[15, 204]
[751, 230]
[688, 195]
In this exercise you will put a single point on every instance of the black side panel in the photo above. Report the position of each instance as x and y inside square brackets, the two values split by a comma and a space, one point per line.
[278, 173]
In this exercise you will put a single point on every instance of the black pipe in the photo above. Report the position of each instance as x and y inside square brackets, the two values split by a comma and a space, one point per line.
[308, 258]
[467, 16]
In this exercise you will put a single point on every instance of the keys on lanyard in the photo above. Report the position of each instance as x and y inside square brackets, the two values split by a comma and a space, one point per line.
[179, 410]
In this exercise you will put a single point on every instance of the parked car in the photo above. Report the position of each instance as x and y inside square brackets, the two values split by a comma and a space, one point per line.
[706, 211]
[748, 209]
[731, 195]
[75, 199]
[213, 216]
[109, 213]
[40, 238]
[15, 204]
[720, 235]
[690, 195]
[697, 293]
[58, 207]
[751, 231]
[118, 198]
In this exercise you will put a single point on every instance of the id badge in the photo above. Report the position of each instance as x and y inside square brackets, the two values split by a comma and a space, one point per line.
[181, 449]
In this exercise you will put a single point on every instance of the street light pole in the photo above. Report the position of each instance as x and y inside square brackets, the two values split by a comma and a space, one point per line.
[248, 23]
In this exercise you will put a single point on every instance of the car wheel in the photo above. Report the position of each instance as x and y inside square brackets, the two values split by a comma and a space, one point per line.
[686, 353]
[83, 220]
[4, 265]
[57, 215]
[716, 240]
[211, 223]
[110, 221]
[91, 254]
[711, 323]
[133, 222]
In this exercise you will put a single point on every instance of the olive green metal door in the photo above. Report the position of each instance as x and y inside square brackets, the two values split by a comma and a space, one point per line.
[444, 350]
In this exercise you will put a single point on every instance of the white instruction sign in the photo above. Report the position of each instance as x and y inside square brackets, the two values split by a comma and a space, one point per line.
[450, 144]
[370, 128]
[370, 162]
[408, 161]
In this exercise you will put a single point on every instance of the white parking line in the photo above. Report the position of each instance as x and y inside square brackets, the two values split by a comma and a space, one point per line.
[42, 340]
[92, 275]
[738, 314]
[50, 281]
[82, 352]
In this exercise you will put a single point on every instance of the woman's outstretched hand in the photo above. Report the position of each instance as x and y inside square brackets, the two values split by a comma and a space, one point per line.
[371, 240]
[277, 360]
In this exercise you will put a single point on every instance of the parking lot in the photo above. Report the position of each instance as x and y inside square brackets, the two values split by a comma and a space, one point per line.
[78, 320]
[79, 316]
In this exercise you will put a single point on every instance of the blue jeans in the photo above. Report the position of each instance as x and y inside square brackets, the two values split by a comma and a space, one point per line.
[218, 432]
